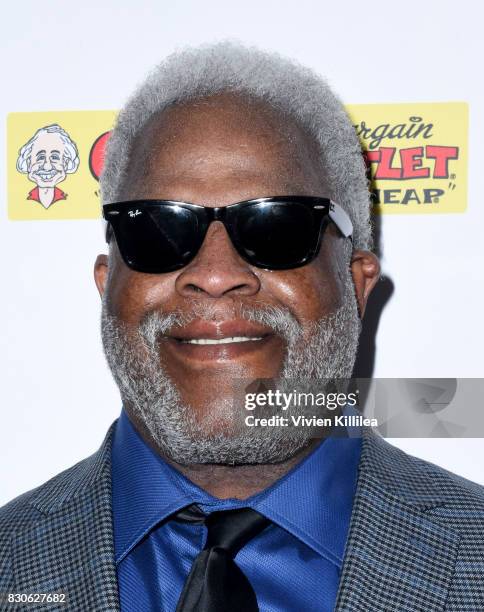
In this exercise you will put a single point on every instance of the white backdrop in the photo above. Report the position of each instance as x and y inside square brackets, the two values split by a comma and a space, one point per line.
[57, 395]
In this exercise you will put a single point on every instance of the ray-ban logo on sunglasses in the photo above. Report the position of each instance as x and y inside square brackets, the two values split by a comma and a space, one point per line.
[134, 213]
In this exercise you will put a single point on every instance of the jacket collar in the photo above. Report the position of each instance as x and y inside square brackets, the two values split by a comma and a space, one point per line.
[396, 554]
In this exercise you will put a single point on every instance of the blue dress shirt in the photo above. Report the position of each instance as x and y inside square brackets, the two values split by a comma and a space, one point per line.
[293, 565]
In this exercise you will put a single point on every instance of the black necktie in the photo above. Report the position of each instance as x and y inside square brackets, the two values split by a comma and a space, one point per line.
[216, 583]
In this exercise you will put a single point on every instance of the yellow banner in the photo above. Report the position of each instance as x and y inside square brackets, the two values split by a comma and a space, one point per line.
[416, 156]
[54, 161]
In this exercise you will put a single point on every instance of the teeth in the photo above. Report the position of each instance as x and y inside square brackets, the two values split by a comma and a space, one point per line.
[221, 340]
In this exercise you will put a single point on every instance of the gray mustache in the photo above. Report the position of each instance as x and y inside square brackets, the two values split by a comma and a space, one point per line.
[280, 320]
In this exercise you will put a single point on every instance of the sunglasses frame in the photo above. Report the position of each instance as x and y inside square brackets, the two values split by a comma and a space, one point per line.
[324, 209]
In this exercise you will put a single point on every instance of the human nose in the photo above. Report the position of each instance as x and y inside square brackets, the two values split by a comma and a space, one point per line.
[217, 270]
[47, 164]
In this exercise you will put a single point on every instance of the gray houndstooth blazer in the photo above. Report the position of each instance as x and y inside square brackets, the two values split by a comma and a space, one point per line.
[416, 540]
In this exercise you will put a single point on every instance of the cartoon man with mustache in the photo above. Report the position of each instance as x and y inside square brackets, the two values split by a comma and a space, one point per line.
[47, 158]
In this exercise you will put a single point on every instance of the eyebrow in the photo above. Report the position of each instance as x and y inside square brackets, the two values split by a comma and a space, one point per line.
[42, 152]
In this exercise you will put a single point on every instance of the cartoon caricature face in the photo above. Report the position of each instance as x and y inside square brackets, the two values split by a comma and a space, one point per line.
[46, 159]
[47, 162]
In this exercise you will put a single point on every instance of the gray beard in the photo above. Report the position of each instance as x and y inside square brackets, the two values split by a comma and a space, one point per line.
[325, 351]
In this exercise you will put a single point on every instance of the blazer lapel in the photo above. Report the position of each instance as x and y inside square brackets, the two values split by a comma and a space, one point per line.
[397, 557]
[70, 549]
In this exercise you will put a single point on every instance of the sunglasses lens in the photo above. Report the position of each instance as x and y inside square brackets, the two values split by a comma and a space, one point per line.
[277, 235]
[158, 239]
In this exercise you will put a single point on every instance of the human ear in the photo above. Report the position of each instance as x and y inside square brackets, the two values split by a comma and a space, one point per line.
[365, 269]
[101, 267]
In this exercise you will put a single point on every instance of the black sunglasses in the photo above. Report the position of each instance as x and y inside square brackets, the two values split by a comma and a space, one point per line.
[276, 233]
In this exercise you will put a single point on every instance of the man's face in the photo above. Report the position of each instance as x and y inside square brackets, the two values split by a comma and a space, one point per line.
[46, 162]
[216, 152]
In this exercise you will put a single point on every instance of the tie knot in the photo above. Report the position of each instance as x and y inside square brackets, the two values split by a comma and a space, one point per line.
[231, 530]
[216, 583]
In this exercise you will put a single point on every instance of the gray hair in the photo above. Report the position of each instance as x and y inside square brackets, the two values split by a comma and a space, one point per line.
[299, 92]
[70, 156]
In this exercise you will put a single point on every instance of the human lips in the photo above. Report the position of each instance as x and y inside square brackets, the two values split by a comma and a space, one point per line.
[229, 340]
[219, 332]
[206, 340]
[46, 175]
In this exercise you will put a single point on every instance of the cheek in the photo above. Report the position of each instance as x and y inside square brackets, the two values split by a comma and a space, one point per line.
[130, 295]
[309, 294]
[312, 291]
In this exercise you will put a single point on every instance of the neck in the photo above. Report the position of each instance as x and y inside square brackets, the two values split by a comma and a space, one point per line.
[46, 195]
[239, 481]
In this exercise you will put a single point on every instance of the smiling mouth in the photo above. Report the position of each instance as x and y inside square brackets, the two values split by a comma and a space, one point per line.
[222, 349]
[202, 341]
[46, 176]
[229, 340]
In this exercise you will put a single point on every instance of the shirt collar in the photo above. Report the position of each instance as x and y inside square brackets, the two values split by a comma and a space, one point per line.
[35, 195]
[313, 501]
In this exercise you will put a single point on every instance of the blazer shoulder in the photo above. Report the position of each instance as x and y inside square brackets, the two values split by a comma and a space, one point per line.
[43, 510]
[455, 488]
[19, 515]
[31, 505]
[19, 510]
[415, 479]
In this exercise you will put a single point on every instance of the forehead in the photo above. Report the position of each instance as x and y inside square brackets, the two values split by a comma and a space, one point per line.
[224, 139]
[48, 142]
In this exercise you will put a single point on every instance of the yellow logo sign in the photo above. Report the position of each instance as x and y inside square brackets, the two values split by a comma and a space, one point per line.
[54, 162]
[416, 156]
